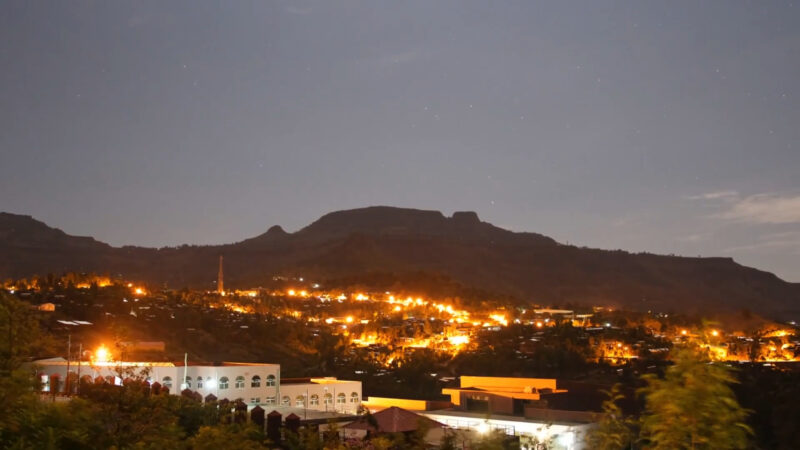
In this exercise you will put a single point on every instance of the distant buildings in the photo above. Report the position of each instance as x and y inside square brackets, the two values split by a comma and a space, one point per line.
[518, 407]
[47, 307]
[395, 420]
[255, 384]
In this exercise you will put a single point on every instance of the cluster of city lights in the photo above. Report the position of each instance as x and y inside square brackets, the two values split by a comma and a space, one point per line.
[459, 328]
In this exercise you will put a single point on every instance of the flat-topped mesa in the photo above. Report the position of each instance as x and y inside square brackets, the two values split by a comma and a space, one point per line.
[466, 217]
[385, 240]
[376, 220]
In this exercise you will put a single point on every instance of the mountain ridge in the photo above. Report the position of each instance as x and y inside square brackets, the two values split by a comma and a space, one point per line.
[381, 239]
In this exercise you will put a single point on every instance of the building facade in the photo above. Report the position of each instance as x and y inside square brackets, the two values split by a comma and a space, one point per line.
[255, 384]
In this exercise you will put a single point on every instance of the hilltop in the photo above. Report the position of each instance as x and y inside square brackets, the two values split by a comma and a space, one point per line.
[387, 243]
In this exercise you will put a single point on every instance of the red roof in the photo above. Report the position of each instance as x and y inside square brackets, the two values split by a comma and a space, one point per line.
[392, 420]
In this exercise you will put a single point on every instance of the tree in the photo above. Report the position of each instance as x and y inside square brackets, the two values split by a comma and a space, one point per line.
[492, 440]
[130, 415]
[20, 336]
[235, 436]
[693, 407]
[614, 430]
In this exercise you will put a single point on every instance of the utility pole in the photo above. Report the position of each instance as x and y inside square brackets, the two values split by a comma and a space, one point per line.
[185, 385]
[278, 387]
[80, 357]
[9, 364]
[69, 350]
[220, 281]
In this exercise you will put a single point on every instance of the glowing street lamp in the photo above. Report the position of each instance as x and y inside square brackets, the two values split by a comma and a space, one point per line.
[101, 354]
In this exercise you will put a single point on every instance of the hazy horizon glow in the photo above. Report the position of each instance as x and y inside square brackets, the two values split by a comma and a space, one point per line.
[669, 128]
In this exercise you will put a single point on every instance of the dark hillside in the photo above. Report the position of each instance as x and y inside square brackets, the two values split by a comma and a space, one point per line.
[400, 242]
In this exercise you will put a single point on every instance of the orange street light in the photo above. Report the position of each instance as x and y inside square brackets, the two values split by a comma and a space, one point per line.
[101, 354]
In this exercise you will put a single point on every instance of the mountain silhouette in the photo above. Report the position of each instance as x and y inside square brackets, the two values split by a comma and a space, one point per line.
[387, 243]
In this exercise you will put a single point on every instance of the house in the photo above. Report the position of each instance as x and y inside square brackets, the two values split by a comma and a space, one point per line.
[394, 420]
[520, 408]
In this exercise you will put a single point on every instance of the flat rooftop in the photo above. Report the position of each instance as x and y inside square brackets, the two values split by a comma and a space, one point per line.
[63, 362]
[310, 380]
[481, 416]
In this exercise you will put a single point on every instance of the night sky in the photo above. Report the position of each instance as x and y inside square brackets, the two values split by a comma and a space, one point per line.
[671, 127]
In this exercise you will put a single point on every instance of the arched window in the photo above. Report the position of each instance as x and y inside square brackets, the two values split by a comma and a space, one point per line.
[270, 380]
[240, 382]
[256, 381]
[328, 399]
[300, 401]
[314, 400]
[285, 401]
[223, 383]
[354, 397]
[167, 382]
[188, 382]
[341, 398]
[199, 382]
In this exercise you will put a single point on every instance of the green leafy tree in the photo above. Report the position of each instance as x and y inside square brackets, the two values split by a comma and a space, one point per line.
[308, 438]
[693, 407]
[235, 436]
[20, 334]
[449, 440]
[492, 440]
[613, 431]
[130, 415]
[20, 337]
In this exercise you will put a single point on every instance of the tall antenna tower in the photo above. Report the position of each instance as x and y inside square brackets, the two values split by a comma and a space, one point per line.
[220, 282]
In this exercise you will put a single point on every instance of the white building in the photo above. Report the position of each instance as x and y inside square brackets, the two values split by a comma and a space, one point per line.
[321, 394]
[255, 384]
[558, 435]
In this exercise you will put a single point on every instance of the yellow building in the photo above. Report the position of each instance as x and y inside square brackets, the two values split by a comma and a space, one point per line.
[501, 395]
